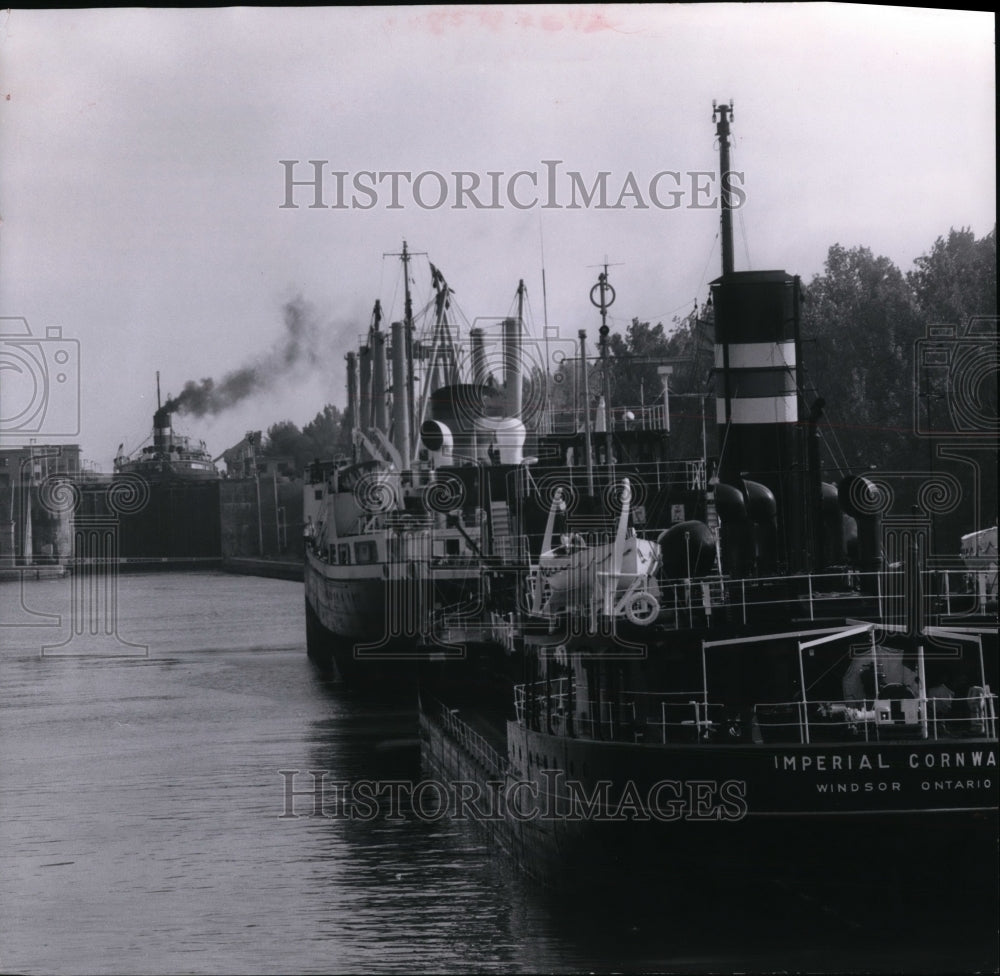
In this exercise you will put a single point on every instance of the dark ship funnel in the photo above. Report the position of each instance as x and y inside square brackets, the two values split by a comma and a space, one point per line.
[479, 370]
[400, 395]
[512, 365]
[162, 429]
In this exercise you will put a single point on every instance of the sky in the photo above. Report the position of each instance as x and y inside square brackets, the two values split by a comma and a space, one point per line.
[147, 222]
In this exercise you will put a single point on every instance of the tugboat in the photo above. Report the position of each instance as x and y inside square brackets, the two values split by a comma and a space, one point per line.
[721, 653]
[170, 456]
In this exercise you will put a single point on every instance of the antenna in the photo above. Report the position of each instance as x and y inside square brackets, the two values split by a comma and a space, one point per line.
[545, 303]
[605, 298]
[405, 255]
[722, 115]
[547, 416]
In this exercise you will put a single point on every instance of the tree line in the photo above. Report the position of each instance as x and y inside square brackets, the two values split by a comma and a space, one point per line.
[904, 362]
[325, 436]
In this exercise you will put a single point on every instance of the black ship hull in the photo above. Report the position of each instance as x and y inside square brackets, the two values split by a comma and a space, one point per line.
[171, 523]
[608, 815]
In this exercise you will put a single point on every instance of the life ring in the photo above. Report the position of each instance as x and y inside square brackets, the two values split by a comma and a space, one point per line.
[642, 609]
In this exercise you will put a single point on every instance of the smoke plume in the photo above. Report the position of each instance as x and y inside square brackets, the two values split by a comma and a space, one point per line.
[299, 349]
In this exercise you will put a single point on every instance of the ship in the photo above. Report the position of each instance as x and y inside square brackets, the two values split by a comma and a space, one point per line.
[703, 658]
[159, 508]
[401, 550]
[168, 456]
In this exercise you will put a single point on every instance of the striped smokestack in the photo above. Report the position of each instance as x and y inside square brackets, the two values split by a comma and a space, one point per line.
[756, 357]
[757, 400]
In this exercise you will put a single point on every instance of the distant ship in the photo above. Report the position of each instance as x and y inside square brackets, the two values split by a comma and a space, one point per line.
[170, 456]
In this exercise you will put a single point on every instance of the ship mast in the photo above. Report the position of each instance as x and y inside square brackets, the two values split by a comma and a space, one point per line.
[605, 298]
[513, 329]
[587, 446]
[378, 370]
[722, 115]
[408, 334]
[405, 255]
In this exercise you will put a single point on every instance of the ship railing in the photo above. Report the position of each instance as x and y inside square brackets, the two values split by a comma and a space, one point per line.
[961, 590]
[408, 521]
[643, 417]
[689, 721]
[542, 696]
[973, 715]
[687, 602]
[550, 705]
[654, 476]
[945, 592]
[969, 716]
[605, 720]
[632, 720]
[677, 715]
[802, 592]
[471, 742]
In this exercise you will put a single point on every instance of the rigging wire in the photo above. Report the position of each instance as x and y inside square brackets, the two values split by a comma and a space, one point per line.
[743, 229]
[746, 244]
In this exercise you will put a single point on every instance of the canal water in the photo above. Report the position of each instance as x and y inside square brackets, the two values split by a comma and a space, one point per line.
[148, 822]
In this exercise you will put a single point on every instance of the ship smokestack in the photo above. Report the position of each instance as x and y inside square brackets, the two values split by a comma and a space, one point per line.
[512, 357]
[352, 390]
[365, 403]
[722, 115]
[161, 429]
[378, 375]
[478, 356]
[400, 400]
[512, 367]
